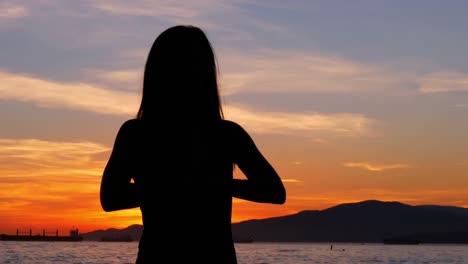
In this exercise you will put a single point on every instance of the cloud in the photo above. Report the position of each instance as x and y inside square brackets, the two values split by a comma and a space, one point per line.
[311, 124]
[11, 11]
[148, 8]
[58, 177]
[204, 13]
[130, 79]
[285, 71]
[461, 105]
[187, 12]
[320, 140]
[279, 71]
[371, 167]
[290, 181]
[89, 97]
[79, 96]
[439, 82]
[121, 76]
[29, 159]
[38, 175]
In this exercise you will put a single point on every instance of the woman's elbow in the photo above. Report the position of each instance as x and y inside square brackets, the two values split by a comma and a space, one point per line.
[278, 196]
[106, 205]
[107, 202]
[281, 197]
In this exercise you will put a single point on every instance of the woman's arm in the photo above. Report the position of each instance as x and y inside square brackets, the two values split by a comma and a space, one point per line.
[263, 184]
[117, 190]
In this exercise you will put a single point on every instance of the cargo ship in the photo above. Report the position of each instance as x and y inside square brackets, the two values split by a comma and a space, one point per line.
[20, 236]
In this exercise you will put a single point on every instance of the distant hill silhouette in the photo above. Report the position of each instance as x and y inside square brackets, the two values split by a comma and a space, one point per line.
[130, 233]
[363, 222]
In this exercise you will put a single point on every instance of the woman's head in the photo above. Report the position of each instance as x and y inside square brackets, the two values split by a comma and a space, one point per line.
[181, 69]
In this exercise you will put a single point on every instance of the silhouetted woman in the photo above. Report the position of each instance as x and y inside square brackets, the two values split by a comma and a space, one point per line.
[175, 160]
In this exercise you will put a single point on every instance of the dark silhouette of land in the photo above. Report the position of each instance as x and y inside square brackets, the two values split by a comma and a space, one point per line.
[368, 221]
[133, 231]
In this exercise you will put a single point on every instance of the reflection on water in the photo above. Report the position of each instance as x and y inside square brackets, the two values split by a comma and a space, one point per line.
[248, 253]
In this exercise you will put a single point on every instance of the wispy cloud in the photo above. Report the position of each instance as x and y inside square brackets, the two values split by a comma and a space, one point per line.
[461, 105]
[306, 72]
[28, 159]
[88, 97]
[290, 180]
[40, 176]
[439, 82]
[320, 140]
[187, 12]
[311, 124]
[12, 10]
[202, 13]
[122, 76]
[291, 71]
[311, 198]
[149, 8]
[130, 79]
[259, 70]
[79, 96]
[375, 167]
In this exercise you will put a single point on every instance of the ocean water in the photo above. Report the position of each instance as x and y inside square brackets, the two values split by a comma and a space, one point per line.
[248, 253]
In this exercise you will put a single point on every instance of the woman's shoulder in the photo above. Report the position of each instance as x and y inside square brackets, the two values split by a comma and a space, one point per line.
[230, 125]
[233, 128]
[131, 123]
[130, 126]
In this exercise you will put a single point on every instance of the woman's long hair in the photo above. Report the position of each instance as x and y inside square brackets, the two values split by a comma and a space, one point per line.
[181, 77]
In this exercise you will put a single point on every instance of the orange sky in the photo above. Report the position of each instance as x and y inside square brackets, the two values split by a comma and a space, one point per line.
[55, 185]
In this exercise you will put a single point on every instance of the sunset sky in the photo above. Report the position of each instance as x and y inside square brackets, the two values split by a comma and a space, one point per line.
[349, 100]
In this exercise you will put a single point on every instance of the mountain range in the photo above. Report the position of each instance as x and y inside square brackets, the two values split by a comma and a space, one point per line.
[369, 221]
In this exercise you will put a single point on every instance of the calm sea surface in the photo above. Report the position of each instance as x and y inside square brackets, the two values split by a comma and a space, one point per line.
[254, 253]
